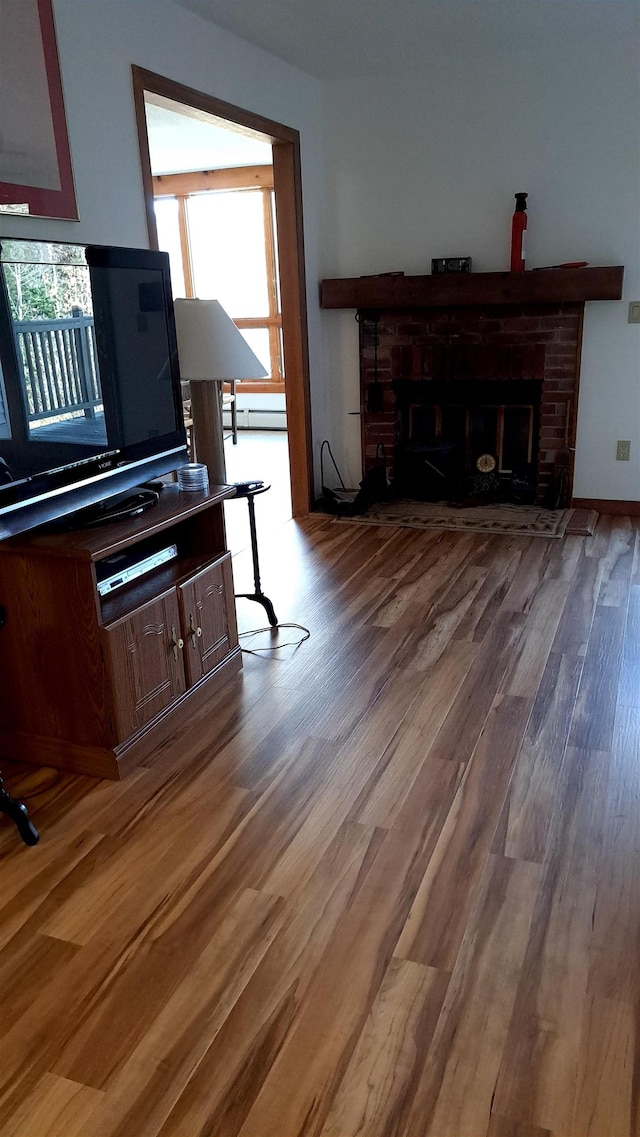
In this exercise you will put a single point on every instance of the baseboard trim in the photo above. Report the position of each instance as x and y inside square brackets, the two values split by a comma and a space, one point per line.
[608, 505]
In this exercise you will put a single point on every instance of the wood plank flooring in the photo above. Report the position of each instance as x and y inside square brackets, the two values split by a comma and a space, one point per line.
[383, 885]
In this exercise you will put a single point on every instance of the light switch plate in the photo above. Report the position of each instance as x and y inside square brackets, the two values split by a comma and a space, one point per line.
[634, 312]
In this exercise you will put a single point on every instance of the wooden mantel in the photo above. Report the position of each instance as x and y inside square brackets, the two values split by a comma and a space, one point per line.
[537, 286]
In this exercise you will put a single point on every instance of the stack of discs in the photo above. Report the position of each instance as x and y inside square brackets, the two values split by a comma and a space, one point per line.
[193, 476]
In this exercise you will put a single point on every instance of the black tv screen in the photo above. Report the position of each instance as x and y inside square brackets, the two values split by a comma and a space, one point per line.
[90, 399]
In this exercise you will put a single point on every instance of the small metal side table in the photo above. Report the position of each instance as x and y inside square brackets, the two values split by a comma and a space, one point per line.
[250, 490]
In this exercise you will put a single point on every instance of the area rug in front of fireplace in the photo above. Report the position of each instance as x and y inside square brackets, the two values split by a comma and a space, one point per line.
[515, 520]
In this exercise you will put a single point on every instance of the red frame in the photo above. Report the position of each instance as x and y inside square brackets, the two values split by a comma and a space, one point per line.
[60, 203]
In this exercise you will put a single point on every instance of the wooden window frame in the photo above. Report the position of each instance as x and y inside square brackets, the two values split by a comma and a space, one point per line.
[252, 178]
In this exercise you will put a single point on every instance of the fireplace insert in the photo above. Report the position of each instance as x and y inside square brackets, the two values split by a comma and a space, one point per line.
[465, 440]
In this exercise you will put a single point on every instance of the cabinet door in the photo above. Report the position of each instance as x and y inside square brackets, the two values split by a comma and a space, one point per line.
[144, 653]
[208, 618]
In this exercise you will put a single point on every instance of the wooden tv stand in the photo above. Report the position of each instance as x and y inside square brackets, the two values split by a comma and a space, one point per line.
[87, 681]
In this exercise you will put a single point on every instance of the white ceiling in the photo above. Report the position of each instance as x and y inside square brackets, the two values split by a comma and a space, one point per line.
[339, 39]
[180, 142]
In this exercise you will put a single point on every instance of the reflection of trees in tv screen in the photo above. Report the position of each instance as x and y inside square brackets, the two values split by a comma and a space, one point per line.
[45, 290]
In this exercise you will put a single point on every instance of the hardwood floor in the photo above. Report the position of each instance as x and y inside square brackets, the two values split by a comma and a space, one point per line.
[386, 884]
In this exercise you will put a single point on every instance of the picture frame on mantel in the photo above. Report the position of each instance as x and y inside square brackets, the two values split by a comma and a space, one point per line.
[36, 176]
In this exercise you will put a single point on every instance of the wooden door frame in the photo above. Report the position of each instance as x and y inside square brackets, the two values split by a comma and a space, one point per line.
[287, 180]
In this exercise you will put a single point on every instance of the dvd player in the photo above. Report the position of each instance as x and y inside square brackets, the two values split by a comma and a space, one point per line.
[125, 569]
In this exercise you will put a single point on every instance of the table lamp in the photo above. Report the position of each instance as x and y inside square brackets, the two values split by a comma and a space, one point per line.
[211, 351]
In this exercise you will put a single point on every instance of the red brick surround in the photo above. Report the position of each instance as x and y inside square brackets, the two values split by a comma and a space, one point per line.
[528, 341]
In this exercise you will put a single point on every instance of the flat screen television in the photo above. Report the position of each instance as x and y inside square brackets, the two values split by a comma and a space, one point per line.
[90, 400]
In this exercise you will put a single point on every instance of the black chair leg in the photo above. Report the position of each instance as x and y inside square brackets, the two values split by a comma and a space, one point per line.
[19, 814]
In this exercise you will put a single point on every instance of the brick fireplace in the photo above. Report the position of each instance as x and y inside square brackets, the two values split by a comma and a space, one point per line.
[451, 367]
[481, 376]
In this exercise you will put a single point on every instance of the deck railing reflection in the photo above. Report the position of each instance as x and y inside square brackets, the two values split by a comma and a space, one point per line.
[59, 367]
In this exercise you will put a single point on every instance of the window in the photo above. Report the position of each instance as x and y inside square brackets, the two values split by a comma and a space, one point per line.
[167, 211]
[221, 238]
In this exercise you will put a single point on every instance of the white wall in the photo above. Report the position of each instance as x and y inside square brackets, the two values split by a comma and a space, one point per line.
[98, 40]
[537, 97]
[542, 97]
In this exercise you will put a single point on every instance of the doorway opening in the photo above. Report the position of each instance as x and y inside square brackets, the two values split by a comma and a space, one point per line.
[223, 198]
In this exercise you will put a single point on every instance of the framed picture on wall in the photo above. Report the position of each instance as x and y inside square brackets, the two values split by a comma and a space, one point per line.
[36, 178]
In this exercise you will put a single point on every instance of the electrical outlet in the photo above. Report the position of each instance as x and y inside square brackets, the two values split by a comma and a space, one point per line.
[623, 451]
[634, 312]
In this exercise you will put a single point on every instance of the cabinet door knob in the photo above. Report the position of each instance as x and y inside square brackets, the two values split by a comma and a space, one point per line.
[177, 643]
[194, 632]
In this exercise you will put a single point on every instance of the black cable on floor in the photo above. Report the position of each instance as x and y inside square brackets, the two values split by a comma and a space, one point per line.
[295, 644]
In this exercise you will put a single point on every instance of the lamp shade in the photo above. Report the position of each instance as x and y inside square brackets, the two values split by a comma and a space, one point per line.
[209, 344]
